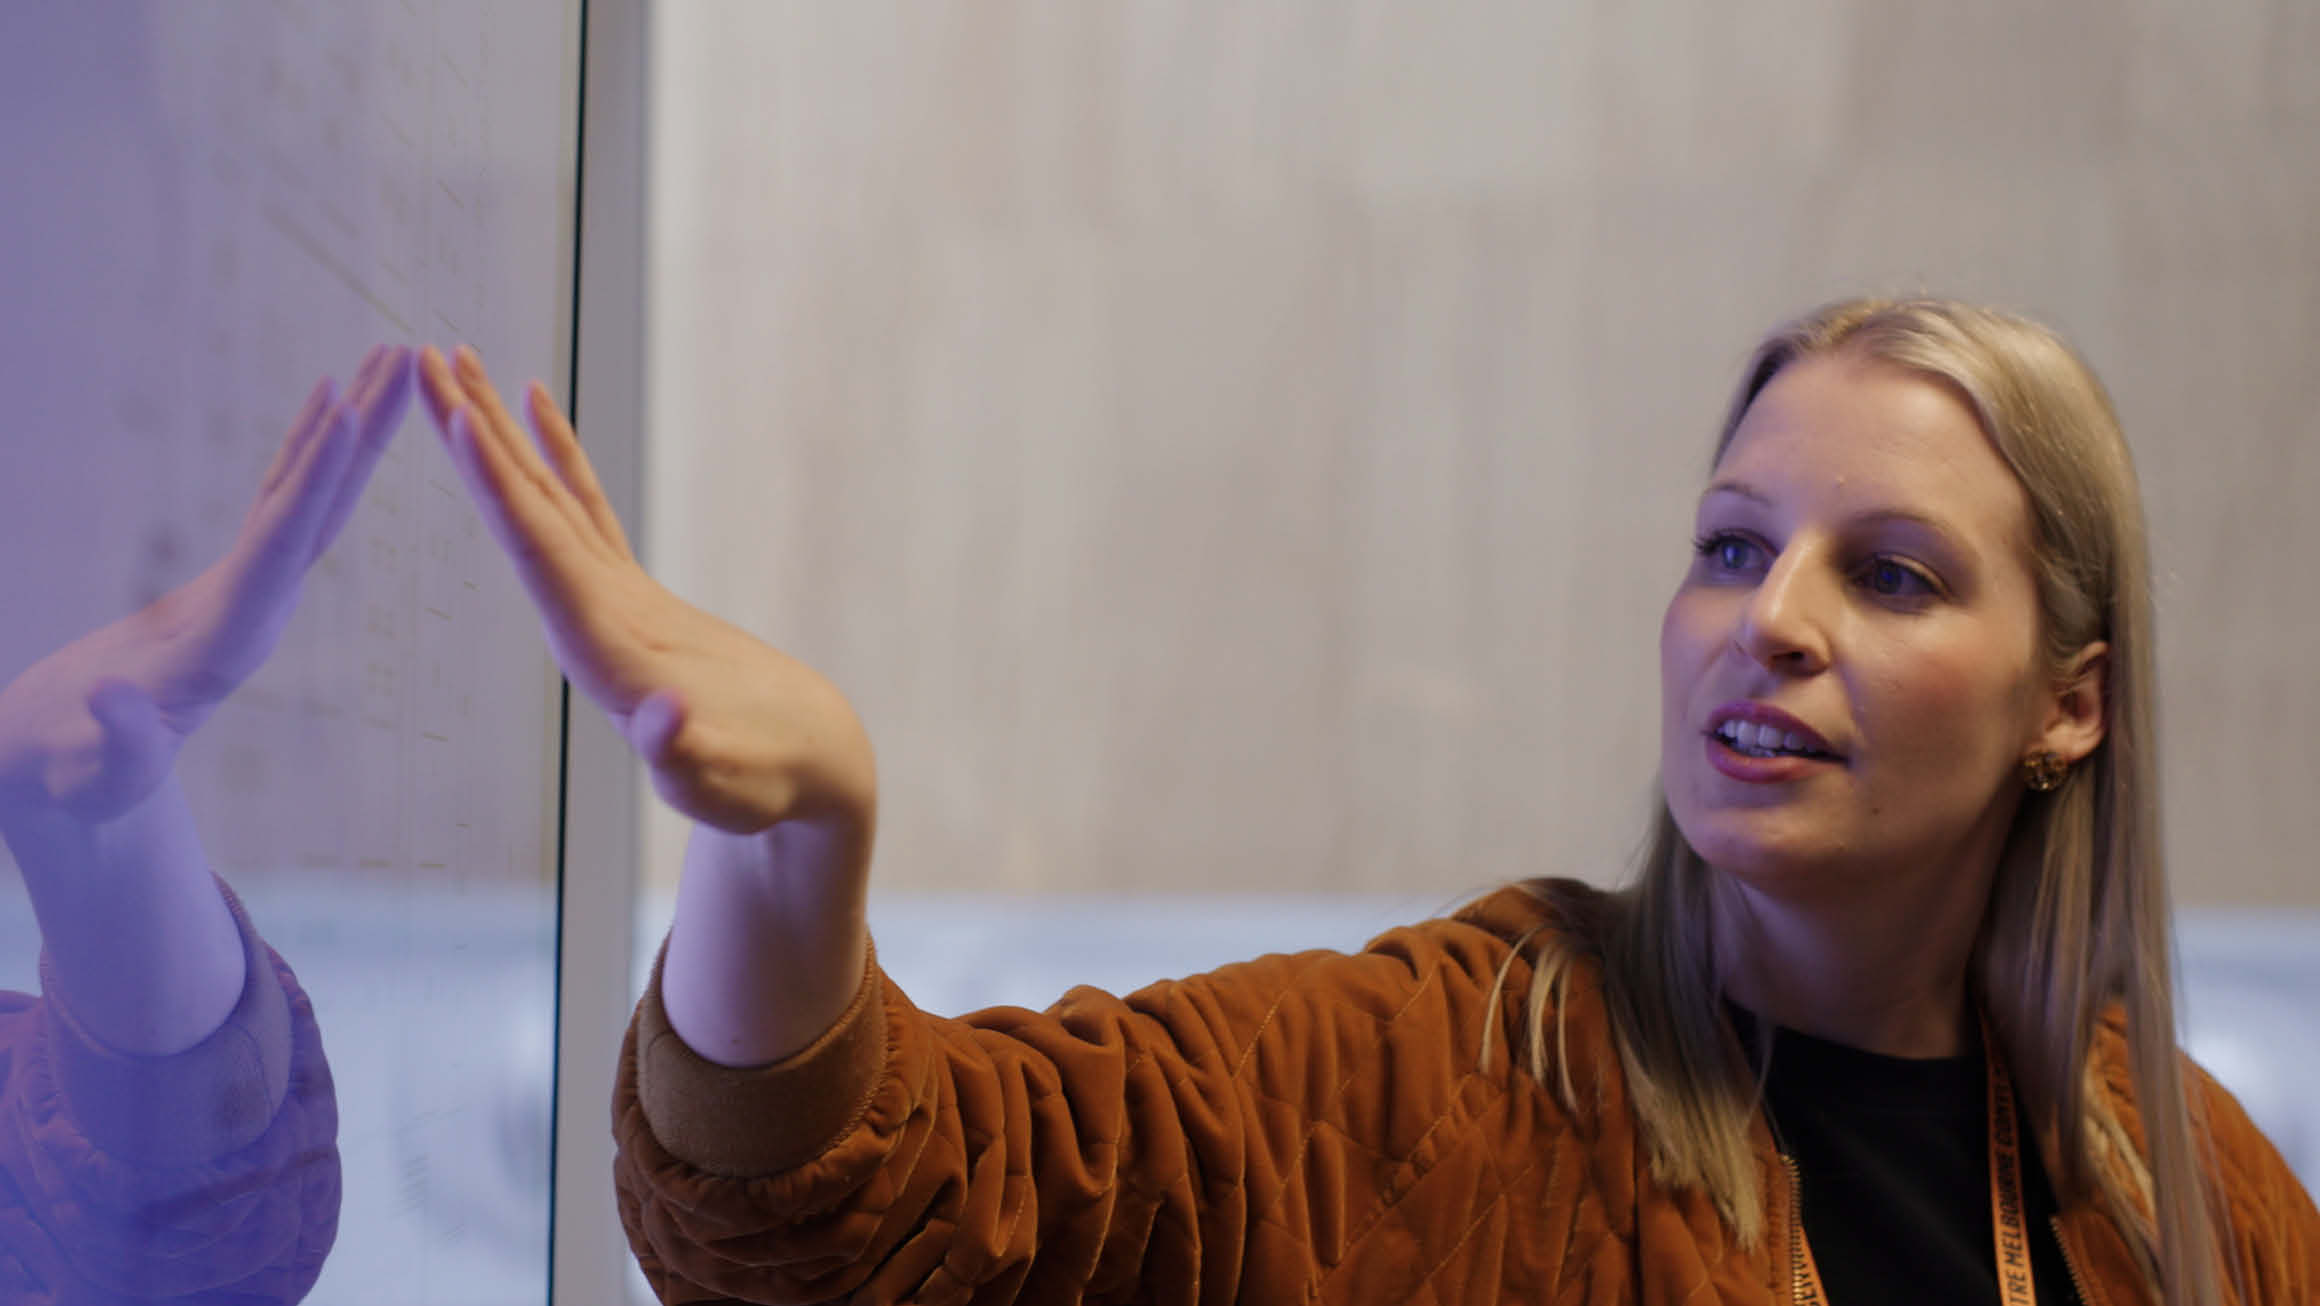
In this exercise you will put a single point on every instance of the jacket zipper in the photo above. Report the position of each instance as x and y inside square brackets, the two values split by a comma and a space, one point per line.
[2070, 1263]
[1796, 1292]
[1796, 1241]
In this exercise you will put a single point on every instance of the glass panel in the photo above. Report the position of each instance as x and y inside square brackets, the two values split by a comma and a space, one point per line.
[211, 207]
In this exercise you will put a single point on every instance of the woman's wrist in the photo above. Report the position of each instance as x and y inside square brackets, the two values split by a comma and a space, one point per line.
[769, 942]
[143, 947]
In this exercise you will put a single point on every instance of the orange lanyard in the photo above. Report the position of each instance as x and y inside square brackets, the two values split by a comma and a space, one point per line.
[2010, 1233]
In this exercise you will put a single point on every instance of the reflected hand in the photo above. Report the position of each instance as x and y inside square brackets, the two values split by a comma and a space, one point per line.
[736, 735]
[93, 728]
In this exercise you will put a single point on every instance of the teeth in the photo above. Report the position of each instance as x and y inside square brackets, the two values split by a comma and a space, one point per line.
[1755, 737]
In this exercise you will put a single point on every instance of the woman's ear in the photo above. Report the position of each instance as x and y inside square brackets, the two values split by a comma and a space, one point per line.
[2074, 713]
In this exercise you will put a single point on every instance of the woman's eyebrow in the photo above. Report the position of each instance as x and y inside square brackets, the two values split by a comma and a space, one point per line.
[1932, 525]
[1730, 486]
[1911, 517]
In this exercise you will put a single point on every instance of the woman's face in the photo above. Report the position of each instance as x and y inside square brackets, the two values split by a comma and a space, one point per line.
[1849, 672]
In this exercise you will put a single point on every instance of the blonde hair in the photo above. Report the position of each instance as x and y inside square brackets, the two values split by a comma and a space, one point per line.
[2077, 919]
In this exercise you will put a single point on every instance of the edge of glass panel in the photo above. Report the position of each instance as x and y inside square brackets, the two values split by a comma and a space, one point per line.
[599, 842]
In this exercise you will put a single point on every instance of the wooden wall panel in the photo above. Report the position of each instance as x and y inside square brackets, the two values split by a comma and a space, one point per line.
[1227, 446]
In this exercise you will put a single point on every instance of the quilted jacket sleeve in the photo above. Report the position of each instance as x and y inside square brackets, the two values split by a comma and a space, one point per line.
[2275, 1227]
[1229, 1137]
[210, 1175]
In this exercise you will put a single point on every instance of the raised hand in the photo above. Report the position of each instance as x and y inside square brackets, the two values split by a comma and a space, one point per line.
[737, 735]
[92, 729]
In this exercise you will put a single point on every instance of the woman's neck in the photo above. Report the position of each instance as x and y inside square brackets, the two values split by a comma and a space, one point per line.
[1883, 972]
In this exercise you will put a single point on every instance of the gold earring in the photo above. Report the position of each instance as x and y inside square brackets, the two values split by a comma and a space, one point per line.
[2043, 771]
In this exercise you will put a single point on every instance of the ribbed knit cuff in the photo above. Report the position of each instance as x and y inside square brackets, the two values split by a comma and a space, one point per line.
[192, 1106]
[759, 1120]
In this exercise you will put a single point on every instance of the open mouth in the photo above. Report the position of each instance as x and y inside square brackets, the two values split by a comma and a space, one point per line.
[1751, 739]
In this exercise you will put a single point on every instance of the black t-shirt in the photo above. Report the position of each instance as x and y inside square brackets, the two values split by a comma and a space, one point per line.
[1893, 1154]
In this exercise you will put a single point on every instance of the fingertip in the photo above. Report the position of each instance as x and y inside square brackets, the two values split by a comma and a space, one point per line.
[369, 373]
[318, 405]
[437, 384]
[393, 396]
[403, 367]
[450, 428]
[337, 426]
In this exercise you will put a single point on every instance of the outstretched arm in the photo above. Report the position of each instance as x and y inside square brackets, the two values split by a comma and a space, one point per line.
[762, 752]
[145, 953]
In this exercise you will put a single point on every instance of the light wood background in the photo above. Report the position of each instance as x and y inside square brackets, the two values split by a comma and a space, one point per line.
[1228, 446]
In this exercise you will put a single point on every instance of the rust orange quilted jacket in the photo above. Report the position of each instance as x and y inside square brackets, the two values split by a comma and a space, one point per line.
[1298, 1128]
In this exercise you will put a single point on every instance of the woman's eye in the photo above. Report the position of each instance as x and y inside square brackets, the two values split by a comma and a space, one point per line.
[1727, 552]
[1888, 578]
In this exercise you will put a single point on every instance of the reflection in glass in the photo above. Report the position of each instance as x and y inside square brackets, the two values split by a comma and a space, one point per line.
[175, 1126]
[277, 911]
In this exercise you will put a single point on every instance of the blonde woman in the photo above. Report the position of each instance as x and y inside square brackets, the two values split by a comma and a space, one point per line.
[1886, 1018]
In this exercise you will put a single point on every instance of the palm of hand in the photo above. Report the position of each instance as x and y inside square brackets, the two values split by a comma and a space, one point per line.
[93, 728]
[736, 734]
[708, 708]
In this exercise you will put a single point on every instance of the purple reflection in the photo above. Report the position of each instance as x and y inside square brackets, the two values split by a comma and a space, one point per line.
[208, 206]
[167, 1123]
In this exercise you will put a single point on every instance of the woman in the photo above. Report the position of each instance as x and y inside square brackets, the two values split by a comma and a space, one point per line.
[1886, 1018]
[168, 1130]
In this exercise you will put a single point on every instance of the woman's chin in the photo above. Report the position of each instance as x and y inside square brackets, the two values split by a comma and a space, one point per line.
[1759, 849]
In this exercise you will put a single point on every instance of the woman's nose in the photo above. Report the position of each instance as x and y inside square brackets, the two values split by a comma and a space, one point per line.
[1784, 626]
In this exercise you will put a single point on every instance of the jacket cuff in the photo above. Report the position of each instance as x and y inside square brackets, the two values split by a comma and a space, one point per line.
[213, 1098]
[759, 1120]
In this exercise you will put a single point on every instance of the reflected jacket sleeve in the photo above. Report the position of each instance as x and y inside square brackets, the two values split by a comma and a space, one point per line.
[1235, 1136]
[209, 1175]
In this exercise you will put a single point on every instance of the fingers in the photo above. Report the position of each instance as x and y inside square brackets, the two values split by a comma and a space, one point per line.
[299, 511]
[460, 383]
[314, 421]
[379, 407]
[281, 524]
[549, 559]
[518, 500]
[438, 388]
[377, 410]
[516, 518]
[467, 365]
[561, 444]
[525, 453]
[478, 463]
[302, 429]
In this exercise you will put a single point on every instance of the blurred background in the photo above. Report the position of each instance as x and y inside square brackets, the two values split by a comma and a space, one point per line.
[1229, 447]
[1235, 458]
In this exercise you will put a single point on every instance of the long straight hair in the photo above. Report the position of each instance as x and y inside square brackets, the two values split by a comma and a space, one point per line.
[2077, 919]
